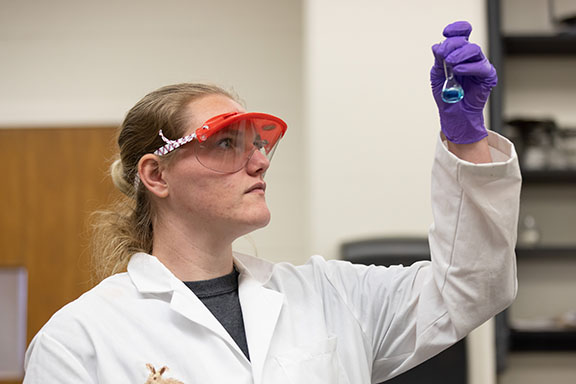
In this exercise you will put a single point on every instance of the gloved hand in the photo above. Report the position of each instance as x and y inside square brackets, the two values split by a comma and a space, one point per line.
[462, 122]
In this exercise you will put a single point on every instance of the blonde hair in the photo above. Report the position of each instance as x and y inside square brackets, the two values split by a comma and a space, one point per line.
[126, 227]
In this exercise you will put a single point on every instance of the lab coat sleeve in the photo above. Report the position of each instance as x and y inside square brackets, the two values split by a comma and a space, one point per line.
[408, 315]
[49, 362]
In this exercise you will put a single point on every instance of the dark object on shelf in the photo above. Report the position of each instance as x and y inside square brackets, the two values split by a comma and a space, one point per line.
[542, 340]
[546, 151]
[533, 139]
[569, 22]
[527, 127]
[565, 21]
[448, 367]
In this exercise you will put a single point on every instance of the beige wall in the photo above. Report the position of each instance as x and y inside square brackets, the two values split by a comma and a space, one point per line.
[371, 119]
[67, 62]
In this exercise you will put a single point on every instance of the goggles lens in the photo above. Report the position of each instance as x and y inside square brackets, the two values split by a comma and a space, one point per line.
[227, 142]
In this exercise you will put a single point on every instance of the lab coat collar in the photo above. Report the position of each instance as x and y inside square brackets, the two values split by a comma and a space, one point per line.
[258, 269]
[149, 275]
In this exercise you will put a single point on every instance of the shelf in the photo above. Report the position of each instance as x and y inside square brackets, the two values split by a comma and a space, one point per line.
[540, 44]
[545, 251]
[561, 340]
[550, 176]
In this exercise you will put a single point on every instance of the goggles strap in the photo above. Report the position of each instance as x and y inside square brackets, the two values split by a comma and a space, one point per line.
[172, 144]
[167, 141]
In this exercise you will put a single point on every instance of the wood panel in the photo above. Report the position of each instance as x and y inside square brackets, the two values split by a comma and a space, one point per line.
[53, 180]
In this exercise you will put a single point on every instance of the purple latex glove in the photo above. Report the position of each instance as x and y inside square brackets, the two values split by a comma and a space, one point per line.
[462, 122]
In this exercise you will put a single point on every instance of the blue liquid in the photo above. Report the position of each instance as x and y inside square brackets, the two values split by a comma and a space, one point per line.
[452, 91]
[452, 95]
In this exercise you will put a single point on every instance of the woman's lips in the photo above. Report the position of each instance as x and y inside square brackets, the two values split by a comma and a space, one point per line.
[258, 187]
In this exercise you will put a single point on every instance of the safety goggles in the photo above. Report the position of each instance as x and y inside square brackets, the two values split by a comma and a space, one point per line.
[225, 143]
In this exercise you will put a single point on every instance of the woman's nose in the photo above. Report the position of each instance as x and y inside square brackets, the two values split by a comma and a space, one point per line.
[258, 163]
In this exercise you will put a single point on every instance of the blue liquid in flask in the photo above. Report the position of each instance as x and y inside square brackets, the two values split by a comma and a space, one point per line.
[452, 91]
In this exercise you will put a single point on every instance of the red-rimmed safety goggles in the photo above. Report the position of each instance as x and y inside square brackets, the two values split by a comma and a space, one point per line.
[225, 143]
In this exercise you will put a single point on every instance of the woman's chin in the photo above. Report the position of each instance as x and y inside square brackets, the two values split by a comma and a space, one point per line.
[263, 219]
[259, 219]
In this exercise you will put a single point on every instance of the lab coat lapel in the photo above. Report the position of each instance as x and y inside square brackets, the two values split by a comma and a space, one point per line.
[149, 275]
[260, 309]
[189, 305]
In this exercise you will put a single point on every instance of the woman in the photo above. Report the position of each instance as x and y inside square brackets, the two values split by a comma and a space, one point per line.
[190, 310]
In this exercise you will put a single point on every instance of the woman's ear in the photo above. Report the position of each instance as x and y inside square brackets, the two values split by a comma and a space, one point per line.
[151, 175]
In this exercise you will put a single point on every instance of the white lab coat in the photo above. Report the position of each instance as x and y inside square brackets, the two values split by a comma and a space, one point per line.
[323, 322]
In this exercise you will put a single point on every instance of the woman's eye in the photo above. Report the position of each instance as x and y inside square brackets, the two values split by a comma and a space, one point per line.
[260, 143]
[225, 143]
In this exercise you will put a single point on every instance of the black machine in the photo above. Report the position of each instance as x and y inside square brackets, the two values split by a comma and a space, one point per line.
[448, 367]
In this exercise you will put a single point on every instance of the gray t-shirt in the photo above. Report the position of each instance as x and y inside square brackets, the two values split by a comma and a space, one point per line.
[220, 296]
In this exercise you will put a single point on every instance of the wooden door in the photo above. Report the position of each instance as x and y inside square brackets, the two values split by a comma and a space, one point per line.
[53, 178]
